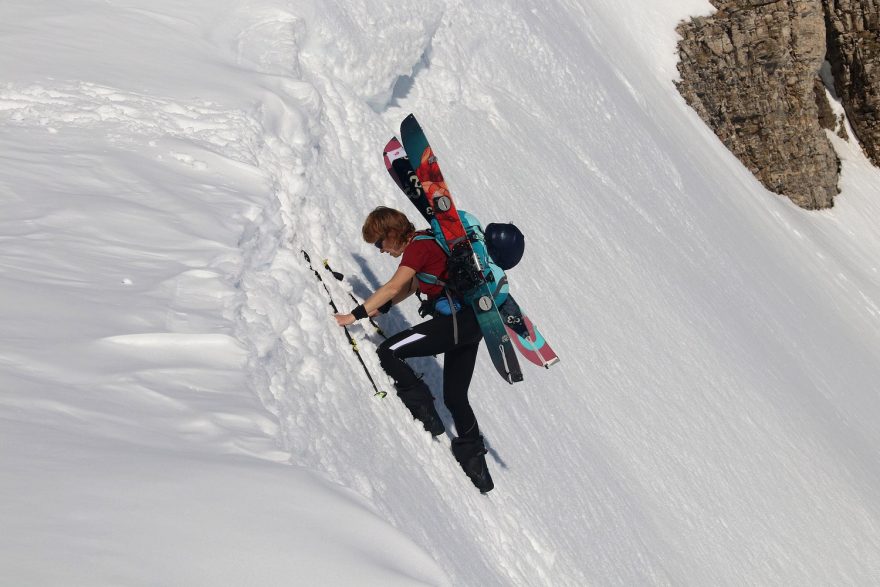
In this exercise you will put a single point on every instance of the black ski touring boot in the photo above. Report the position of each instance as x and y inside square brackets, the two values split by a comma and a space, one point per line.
[417, 398]
[471, 455]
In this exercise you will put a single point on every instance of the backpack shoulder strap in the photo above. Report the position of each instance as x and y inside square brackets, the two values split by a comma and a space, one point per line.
[424, 235]
[428, 278]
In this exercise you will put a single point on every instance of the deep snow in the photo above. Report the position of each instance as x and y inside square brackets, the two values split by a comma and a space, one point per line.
[179, 407]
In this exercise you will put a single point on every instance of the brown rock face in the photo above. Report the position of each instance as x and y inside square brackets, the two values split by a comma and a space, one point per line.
[854, 53]
[749, 71]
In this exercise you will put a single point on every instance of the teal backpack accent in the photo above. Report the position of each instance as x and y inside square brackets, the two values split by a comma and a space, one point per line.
[494, 274]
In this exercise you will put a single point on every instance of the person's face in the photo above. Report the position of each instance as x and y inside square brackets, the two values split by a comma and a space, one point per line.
[389, 244]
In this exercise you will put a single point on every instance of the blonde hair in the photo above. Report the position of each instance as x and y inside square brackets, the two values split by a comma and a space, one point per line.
[387, 222]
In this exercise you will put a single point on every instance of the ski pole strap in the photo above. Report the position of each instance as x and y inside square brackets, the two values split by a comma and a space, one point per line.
[339, 276]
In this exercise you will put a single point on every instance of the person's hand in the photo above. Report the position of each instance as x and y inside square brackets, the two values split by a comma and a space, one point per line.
[344, 319]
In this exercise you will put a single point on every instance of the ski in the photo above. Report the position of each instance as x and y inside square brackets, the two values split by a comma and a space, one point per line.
[399, 167]
[527, 339]
[464, 269]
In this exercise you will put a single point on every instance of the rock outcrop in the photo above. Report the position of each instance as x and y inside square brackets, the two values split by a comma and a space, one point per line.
[750, 70]
[853, 33]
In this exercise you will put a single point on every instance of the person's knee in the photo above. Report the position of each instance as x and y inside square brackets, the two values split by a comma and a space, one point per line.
[394, 366]
[386, 355]
[455, 401]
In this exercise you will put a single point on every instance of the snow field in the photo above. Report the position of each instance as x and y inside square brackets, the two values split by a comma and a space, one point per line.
[168, 353]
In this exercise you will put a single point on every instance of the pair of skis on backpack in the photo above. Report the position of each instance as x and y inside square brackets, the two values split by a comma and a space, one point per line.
[504, 327]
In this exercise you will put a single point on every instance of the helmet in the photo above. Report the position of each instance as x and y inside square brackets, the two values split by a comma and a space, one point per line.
[505, 244]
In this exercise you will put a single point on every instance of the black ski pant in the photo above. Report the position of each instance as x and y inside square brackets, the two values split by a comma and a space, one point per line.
[434, 337]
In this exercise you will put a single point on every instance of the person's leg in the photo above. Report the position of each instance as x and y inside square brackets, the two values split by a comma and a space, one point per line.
[458, 369]
[431, 337]
[428, 338]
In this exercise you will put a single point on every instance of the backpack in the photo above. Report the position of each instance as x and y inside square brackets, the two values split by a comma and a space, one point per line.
[509, 247]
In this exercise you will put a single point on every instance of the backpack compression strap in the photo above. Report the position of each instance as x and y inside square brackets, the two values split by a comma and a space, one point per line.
[430, 279]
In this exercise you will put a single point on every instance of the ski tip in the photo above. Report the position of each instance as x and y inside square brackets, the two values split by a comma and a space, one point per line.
[392, 145]
[409, 120]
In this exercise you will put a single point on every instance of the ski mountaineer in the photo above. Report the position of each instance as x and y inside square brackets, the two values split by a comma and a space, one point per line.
[455, 334]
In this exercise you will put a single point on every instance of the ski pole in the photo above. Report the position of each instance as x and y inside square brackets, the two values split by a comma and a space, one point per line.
[339, 277]
[351, 339]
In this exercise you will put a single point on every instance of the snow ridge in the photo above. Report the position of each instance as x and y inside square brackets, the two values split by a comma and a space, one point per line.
[314, 150]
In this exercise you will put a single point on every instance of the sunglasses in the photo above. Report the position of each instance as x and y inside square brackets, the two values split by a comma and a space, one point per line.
[378, 243]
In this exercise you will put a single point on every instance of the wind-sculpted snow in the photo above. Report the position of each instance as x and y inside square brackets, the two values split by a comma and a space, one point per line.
[179, 406]
[132, 118]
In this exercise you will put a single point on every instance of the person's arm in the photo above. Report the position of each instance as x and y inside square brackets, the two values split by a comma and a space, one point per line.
[406, 292]
[398, 288]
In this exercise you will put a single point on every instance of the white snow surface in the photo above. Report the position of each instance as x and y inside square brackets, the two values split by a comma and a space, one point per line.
[179, 408]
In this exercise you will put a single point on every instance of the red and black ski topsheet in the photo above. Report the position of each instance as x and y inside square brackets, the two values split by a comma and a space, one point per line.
[427, 169]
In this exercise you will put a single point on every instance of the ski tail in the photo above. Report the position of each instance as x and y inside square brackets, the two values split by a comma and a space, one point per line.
[526, 336]
[531, 344]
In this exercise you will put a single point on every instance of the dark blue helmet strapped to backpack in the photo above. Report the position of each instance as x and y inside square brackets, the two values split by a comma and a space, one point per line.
[505, 243]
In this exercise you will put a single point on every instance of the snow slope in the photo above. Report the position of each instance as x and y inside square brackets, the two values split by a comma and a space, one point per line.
[179, 408]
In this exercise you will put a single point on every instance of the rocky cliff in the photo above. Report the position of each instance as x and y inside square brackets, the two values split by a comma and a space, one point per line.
[751, 71]
[853, 32]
